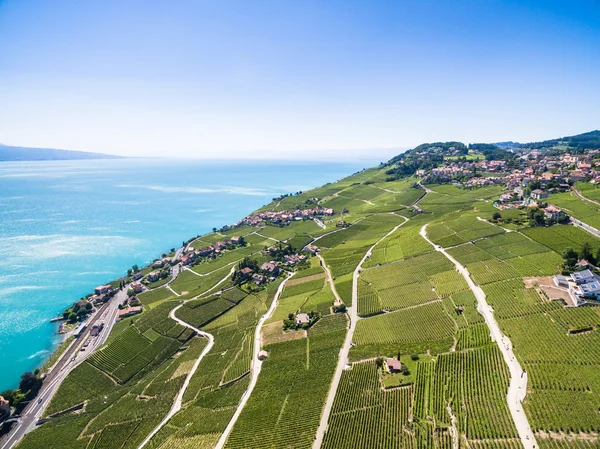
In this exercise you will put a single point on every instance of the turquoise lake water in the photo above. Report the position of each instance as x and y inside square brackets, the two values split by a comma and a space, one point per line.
[67, 226]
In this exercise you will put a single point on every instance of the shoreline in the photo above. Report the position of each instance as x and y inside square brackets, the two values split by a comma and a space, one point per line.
[57, 338]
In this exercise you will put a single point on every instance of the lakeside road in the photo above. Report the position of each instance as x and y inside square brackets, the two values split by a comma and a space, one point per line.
[69, 360]
[517, 388]
[345, 351]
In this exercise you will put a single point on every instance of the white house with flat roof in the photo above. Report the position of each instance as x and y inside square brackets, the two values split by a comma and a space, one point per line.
[583, 277]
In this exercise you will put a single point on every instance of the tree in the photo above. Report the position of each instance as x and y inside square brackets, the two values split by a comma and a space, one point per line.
[570, 258]
[72, 317]
[242, 241]
[586, 252]
[89, 307]
[28, 381]
[214, 230]
[129, 272]
[135, 268]
[496, 216]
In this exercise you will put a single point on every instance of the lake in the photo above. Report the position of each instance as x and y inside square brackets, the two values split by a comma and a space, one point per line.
[68, 226]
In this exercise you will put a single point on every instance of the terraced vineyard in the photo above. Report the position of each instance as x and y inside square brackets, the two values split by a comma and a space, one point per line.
[411, 304]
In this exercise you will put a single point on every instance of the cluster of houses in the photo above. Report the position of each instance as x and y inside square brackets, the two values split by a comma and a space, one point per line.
[284, 217]
[130, 307]
[208, 251]
[583, 286]
[552, 172]
[268, 272]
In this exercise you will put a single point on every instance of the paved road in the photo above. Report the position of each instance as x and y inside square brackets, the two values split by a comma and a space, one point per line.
[345, 351]
[70, 359]
[517, 388]
[578, 193]
[256, 366]
[586, 227]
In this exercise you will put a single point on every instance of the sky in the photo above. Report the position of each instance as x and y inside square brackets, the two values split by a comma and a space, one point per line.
[335, 79]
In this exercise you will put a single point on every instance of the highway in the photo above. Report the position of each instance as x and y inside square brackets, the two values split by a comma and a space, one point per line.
[71, 358]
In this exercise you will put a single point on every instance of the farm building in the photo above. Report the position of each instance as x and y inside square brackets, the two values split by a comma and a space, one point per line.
[258, 279]
[271, 268]
[393, 365]
[245, 272]
[129, 311]
[302, 318]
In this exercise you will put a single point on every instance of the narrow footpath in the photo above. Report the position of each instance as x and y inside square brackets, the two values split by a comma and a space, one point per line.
[338, 299]
[345, 351]
[255, 367]
[517, 388]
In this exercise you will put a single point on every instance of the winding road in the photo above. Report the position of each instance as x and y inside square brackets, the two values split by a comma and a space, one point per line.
[179, 398]
[517, 388]
[345, 351]
[256, 366]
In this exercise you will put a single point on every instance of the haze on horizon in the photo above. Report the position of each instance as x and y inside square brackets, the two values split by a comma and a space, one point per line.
[294, 80]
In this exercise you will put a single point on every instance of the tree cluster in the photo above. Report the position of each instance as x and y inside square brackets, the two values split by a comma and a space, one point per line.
[571, 257]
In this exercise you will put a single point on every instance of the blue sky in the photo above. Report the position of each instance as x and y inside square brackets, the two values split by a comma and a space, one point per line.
[303, 79]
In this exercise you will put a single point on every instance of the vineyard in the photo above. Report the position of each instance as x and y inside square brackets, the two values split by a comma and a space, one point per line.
[365, 416]
[407, 283]
[405, 242]
[460, 230]
[412, 304]
[285, 407]
[559, 238]
[131, 352]
[411, 330]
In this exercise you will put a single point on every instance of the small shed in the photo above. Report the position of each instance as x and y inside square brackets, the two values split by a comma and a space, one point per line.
[262, 355]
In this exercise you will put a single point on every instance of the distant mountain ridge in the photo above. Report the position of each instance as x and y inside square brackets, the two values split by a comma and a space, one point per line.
[13, 153]
[589, 140]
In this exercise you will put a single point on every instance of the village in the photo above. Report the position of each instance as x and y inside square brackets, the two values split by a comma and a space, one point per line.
[282, 218]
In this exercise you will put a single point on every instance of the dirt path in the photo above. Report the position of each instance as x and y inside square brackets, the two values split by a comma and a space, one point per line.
[580, 195]
[338, 299]
[345, 351]
[256, 366]
[517, 388]
[495, 224]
